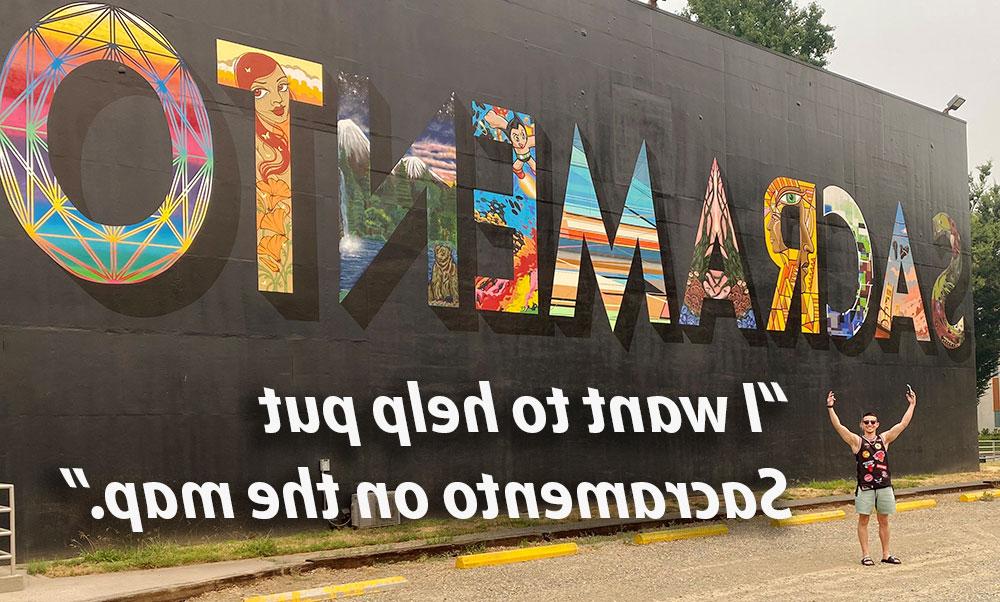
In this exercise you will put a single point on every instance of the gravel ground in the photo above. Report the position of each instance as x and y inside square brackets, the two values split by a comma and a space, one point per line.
[951, 552]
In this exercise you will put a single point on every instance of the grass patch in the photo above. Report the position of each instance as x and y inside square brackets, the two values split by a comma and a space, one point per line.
[907, 481]
[600, 540]
[96, 556]
[257, 548]
[811, 489]
[476, 548]
[835, 485]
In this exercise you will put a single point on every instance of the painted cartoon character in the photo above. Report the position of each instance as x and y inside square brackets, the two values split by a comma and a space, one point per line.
[517, 134]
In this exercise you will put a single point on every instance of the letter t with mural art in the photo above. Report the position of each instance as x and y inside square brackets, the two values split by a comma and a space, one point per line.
[273, 80]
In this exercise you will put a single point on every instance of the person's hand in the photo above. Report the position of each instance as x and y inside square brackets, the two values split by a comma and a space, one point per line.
[832, 399]
[911, 396]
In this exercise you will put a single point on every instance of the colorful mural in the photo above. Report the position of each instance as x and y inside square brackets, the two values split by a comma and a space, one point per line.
[837, 201]
[518, 211]
[717, 235]
[368, 216]
[373, 204]
[895, 304]
[62, 41]
[583, 225]
[781, 193]
[273, 79]
[952, 335]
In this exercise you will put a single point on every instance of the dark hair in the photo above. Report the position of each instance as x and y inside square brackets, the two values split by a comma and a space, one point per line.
[513, 125]
[869, 413]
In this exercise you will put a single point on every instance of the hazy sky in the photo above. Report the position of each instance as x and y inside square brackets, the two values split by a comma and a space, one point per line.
[923, 50]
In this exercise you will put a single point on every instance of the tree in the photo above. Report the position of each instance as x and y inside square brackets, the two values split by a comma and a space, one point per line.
[775, 24]
[984, 203]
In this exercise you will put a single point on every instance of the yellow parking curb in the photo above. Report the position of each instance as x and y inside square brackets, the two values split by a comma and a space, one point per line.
[470, 561]
[915, 505]
[975, 497]
[332, 592]
[806, 519]
[675, 534]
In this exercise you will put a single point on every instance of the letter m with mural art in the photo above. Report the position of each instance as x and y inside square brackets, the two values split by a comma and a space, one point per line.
[611, 257]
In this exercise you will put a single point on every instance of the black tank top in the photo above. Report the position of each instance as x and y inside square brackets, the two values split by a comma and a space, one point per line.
[873, 464]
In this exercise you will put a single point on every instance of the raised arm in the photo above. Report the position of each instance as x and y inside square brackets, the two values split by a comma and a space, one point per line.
[852, 439]
[497, 118]
[890, 435]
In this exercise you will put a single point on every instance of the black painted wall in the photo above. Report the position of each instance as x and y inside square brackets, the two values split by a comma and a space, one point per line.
[158, 381]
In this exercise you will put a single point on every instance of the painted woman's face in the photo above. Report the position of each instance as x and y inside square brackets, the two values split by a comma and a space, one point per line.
[270, 95]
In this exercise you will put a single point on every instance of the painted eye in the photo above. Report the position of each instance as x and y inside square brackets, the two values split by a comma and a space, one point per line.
[791, 198]
[283, 87]
[259, 93]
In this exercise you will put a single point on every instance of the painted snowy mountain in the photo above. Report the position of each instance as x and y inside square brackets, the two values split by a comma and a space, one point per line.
[415, 169]
[353, 142]
[356, 148]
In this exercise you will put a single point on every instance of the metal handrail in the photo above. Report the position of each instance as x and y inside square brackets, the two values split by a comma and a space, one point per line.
[989, 448]
[9, 555]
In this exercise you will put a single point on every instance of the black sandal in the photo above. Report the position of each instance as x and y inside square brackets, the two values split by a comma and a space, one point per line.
[892, 560]
[867, 561]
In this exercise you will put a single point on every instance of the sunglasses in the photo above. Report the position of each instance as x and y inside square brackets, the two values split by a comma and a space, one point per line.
[870, 421]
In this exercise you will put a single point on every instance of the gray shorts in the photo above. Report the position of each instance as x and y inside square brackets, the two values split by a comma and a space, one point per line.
[882, 501]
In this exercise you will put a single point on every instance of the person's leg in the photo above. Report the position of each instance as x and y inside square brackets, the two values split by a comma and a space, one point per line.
[885, 504]
[883, 533]
[863, 533]
[864, 503]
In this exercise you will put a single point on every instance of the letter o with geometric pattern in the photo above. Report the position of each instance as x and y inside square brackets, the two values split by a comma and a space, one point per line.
[65, 39]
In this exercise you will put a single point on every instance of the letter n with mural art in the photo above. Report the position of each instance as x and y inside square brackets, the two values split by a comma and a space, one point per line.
[372, 208]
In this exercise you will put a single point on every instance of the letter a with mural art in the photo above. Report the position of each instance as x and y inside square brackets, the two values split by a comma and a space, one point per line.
[716, 237]
[896, 304]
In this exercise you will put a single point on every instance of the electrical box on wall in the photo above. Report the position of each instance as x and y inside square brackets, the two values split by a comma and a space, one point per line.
[375, 520]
